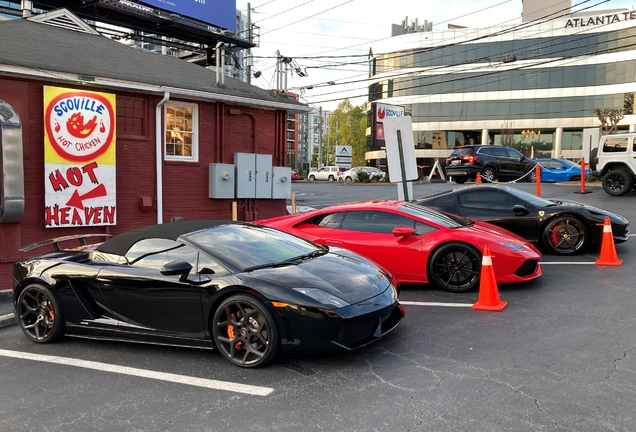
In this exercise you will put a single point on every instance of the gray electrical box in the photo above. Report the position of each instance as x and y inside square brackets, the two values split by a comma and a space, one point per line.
[253, 175]
[263, 176]
[281, 182]
[221, 180]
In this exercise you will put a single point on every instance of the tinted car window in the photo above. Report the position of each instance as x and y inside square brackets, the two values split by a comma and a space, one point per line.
[615, 145]
[381, 222]
[489, 151]
[493, 200]
[434, 216]
[514, 153]
[154, 253]
[331, 220]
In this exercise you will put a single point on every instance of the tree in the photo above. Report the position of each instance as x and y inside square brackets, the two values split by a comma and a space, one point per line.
[609, 118]
[347, 127]
[507, 134]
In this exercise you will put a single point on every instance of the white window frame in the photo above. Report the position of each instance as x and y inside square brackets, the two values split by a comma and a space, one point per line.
[194, 157]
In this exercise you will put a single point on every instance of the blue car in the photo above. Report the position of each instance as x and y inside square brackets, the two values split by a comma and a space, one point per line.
[560, 170]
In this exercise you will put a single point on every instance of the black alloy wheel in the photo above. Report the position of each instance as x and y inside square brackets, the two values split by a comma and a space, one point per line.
[565, 235]
[39, 314]
[245, 332]
[488, 173]
[455, 267]
[618, 182]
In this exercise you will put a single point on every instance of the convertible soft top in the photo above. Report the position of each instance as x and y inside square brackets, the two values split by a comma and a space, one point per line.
[120, 244]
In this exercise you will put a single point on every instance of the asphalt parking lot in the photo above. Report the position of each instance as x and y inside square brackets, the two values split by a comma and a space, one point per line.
[560, 356]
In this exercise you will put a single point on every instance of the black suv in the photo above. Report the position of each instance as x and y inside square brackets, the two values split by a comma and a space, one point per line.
[492, 161]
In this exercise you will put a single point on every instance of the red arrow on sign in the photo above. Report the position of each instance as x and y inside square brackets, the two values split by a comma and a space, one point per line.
[77, 200]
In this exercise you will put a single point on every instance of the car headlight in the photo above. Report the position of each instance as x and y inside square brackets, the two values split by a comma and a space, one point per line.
[323, 297]
[513, 246]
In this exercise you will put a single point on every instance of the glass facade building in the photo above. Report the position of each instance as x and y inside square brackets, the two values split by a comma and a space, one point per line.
[533, 86]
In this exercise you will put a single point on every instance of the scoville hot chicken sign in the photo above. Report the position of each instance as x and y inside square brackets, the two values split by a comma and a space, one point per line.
[79, 158]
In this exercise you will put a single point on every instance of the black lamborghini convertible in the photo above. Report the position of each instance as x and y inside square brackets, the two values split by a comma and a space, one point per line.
[245, 289]
[560, 226]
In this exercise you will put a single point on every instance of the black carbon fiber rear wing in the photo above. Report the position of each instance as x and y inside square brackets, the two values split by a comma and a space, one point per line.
[57, 240]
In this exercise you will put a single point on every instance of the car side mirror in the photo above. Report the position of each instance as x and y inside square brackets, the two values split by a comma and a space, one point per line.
[403, 232]
[519, 209]
[177, 267]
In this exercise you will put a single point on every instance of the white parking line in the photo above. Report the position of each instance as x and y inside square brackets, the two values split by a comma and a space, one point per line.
[161, 376]
[413, 303]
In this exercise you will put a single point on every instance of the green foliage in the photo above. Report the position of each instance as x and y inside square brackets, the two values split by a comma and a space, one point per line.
[347, 127]
[363, 177]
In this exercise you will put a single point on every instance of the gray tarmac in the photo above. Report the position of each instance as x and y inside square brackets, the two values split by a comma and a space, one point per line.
[560, 357]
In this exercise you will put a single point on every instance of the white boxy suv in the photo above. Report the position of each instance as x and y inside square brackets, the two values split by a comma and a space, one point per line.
[615, 162]
[330, 173]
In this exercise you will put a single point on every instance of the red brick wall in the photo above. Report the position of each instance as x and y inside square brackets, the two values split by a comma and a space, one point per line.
[223, 131]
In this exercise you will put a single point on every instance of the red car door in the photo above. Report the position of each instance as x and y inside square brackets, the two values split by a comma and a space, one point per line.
[370, 233]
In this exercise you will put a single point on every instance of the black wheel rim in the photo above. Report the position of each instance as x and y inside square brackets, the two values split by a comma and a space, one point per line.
[488, 174]
[616, 183]
[456, 269]
[36, 314]
[242, 333]
[566, 236]
[532, 176]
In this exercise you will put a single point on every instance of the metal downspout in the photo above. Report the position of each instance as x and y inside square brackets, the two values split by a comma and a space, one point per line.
[159, 155]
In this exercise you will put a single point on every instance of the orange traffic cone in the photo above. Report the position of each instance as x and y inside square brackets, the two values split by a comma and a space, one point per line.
[478, 180]
[488, 292]
[608, 250]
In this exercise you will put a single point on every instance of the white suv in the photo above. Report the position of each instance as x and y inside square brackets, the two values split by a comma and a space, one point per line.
[330, 173]
[615, 162]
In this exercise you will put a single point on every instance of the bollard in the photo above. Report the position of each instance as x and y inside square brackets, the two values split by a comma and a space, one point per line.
[537, 170]
[583, 178]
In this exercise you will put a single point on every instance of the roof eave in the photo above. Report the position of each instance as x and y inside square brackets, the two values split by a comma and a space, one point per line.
[68, 78]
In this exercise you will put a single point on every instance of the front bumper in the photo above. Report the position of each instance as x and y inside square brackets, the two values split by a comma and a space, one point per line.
[346, 328]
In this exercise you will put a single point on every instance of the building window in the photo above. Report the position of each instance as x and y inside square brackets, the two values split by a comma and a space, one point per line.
[181, 131]
[131, 118]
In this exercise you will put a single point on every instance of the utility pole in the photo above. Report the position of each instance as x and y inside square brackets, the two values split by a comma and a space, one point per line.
[319, 137]
[248, 67]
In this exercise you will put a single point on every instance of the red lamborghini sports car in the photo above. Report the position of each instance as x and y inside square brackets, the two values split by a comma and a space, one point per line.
[417, 244]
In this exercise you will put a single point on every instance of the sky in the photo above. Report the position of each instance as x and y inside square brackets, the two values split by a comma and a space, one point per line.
[329, 40]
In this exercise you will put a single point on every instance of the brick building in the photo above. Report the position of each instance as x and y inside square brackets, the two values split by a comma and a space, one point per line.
[172, 119]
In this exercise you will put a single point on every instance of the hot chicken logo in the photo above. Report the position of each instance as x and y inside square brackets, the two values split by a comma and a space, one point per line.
[80, 125]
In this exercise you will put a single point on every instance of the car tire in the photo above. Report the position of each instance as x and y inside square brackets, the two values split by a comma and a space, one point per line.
[618, 182]
[455, 267]
[39, 314]
[243, 321]
[565, 235]
[312, 178]
[460, 180]
[531, 176]
[348, 179]
[489, 173]
[593, 158]
[331, 178]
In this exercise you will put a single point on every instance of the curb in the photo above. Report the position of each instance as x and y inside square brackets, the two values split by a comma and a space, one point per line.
[7, 320]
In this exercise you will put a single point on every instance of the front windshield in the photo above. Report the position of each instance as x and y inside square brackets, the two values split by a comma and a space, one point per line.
[529, 198]
[250, 245]
[434, 216]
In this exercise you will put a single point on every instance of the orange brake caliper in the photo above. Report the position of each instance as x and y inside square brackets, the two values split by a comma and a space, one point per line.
[231, 333]
[51, 314]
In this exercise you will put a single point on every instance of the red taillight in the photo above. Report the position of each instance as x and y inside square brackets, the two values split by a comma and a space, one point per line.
[469, 159]
[447, 160]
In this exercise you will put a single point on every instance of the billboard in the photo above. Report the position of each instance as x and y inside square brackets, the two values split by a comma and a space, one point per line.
[219, 13]
[79, 158]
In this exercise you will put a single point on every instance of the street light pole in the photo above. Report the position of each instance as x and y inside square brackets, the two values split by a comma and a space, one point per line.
[319, 137]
